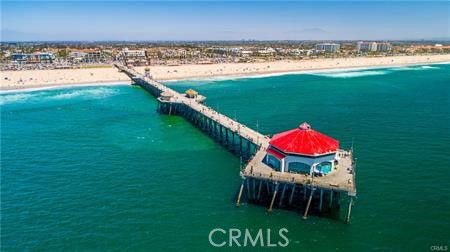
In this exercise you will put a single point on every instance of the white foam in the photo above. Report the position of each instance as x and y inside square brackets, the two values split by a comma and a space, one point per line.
[265, 75]
[66, 86]
[405, 68]
[97, 93]
[429, 67]
[11, 98]
[351, 74]
[413, 68]
[306, 71]
[41, 96]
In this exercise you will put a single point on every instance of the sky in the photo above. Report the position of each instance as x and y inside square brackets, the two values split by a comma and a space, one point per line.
[218, 20]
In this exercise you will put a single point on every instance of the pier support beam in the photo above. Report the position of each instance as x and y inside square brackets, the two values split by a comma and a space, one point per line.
[304, 192]
[321, 200]
[282, 195]
[347, 220]
[305, 215]
[254, 189]
[331, 198]
[240, 145]
[226, 137]
[273, 198]
[238, 202]
[232, 141]
[216, 130]
[292, 194]
[248, 189]
[259, 190]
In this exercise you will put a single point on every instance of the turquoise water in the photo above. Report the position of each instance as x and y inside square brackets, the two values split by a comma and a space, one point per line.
[97, 169]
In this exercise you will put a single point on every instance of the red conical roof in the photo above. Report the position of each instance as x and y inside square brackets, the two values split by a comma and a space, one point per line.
[304, 141]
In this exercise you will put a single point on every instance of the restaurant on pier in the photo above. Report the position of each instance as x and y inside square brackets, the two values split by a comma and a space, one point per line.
[302, 168]
[302, 150]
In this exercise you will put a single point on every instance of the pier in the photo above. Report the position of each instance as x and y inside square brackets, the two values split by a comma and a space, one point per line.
[261, 183]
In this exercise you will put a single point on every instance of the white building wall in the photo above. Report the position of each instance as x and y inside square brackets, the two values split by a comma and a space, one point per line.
[307, 160]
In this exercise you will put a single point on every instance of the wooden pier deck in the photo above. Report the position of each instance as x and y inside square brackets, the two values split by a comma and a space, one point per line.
[341, 179]
[225, 121]
[251, 146]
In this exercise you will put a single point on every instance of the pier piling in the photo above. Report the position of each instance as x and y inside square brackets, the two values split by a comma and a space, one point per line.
[305, 215]
[347, 220]
[321, 200]
[291, 198]
[282, 195]
[259, 189]
[273, 198]
[248, 189]
[238, 202]
[331, 199]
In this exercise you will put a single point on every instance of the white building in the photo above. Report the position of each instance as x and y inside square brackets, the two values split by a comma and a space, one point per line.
[126, 53]
[246, 53]
[32, 58]
[133, 57]
[267, 51]
[363, 46]
[384, 47]
[328, 47]
[302, 150]
[77, 56]
[366, 46]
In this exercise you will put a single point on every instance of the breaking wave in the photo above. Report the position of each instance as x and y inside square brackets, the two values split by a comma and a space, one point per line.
[11, 98]
[351, 74]
[42, 96]
[429, 67]
[414, 68]
[97, 93]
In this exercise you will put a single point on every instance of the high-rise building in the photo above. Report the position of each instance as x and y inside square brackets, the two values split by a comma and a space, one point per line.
[366, 46]
[373, 46]
[328, 47]
[384, 47]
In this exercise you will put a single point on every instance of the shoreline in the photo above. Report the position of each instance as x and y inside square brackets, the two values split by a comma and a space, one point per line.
[66, 85]
[281, 73]
[16, 81]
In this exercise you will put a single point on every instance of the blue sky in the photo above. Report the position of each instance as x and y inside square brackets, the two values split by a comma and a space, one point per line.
[269, 20]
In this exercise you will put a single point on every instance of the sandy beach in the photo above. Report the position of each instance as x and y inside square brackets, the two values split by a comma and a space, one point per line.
[11, 80]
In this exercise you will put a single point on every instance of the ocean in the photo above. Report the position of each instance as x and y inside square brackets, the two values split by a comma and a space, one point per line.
[98, 169]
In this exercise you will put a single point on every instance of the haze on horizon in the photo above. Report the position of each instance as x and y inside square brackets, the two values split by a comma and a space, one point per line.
[115, 20]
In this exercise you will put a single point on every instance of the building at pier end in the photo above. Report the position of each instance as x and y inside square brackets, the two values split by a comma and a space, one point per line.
[302, 150]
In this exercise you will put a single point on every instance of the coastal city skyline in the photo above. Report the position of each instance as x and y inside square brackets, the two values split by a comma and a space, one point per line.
[101, 21]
